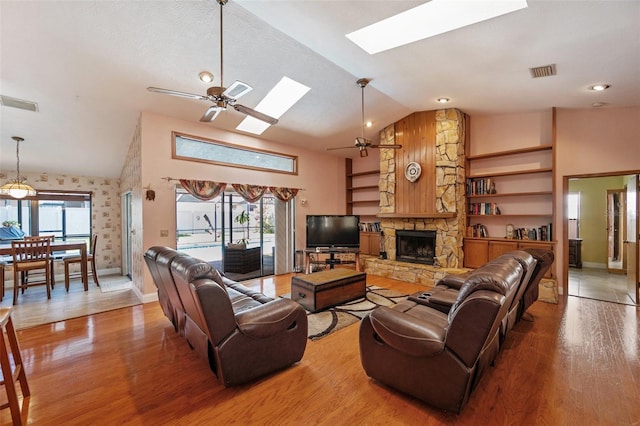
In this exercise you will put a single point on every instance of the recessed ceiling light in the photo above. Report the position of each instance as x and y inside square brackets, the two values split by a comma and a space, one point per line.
[443, 100]
[427, 20]
[279, 99]
[599, 87]
[205, 77]
[368, 124]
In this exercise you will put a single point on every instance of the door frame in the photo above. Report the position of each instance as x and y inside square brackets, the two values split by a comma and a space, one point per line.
[565, 218]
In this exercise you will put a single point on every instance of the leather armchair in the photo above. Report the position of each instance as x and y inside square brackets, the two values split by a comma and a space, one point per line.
[243, 334]
[437, 357]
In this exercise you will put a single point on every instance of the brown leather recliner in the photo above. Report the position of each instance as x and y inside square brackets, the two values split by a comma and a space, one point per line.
[544, 259]
[437, 357]
[243, 334]
[158, 260]
[535, 262]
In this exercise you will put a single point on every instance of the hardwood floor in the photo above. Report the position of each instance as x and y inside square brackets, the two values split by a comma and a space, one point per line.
[33, 307]
[577, 363]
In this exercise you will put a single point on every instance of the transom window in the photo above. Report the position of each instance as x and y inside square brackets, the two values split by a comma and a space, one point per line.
[194, 148]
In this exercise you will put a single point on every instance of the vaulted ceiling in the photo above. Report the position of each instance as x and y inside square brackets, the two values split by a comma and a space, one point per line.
[87, 65]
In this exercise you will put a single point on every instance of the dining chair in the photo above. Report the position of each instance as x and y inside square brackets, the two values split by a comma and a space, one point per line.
[12, 367]
[3, 265]
[31, 254]
[52, 259]
[91, 261]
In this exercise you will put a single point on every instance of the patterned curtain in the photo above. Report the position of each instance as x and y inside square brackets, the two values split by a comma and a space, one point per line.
[203, 189]
[251, 193]
[283, 194]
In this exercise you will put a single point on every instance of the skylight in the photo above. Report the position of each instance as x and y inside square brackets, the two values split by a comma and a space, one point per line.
[429, 19]
[278, 101]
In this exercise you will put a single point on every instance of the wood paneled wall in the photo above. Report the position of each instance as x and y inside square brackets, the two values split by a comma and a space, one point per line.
[417, 135]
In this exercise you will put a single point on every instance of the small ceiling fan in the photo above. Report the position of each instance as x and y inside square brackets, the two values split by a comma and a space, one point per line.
[221, 96]
[361, 142]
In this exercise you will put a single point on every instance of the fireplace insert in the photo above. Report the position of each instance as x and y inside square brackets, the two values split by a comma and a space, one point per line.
[416, 246]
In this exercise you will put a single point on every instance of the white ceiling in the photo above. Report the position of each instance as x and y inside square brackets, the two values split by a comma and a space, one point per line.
[88, 63]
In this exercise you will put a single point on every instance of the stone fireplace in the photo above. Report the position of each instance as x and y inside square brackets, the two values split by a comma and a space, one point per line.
[416, 246]
[435, 202]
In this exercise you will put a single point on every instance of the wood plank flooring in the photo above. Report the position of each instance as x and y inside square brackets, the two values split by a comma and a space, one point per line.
[577, 363]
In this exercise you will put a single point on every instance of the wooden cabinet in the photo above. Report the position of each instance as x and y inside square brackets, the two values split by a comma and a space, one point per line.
[575, 252]
[478, 251]
[370, 243]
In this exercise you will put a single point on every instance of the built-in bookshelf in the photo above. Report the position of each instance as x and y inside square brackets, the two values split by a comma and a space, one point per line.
[509, 186]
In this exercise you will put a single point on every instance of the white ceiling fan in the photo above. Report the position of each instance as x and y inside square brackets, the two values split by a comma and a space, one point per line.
[361, 142]
[221, 96]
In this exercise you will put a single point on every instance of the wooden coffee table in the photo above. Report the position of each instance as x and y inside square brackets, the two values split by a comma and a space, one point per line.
[322, 290]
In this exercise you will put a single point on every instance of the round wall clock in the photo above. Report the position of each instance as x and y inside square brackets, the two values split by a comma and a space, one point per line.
[412, 171]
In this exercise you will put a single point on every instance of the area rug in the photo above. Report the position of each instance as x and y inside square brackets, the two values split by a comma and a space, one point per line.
[119, 285]
[323, 323]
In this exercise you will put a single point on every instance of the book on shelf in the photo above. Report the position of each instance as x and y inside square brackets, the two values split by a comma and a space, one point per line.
[484, 209]
[370, 227]
[480, 186]
[541, 233]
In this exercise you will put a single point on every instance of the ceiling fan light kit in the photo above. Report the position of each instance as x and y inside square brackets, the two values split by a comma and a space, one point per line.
[220, 96]
[17, 188]
[361, 142]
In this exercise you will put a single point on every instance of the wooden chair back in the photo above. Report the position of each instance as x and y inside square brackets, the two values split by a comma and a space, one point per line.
[33, 249]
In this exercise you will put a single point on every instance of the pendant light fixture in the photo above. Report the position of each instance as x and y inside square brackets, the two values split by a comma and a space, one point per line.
[17, 188]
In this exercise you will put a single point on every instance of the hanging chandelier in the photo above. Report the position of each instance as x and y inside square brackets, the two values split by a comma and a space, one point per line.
[17, 188]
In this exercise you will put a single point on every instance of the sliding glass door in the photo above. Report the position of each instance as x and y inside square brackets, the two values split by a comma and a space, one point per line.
[236, 236]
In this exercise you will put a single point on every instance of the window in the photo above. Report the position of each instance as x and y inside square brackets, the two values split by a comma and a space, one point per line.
[192, 148]
[67, 215]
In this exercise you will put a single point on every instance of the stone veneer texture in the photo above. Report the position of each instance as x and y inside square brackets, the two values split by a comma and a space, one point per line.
[450, 178]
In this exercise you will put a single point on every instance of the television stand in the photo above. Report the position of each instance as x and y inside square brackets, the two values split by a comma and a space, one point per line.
[331, 261]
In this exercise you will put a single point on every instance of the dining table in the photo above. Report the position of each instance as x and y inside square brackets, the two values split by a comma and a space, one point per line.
[5, 250]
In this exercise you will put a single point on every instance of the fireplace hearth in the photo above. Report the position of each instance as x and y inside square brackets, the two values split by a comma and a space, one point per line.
[416, 246]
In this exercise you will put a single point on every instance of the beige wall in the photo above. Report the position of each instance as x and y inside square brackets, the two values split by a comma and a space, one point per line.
[320, 175]
[593, 141]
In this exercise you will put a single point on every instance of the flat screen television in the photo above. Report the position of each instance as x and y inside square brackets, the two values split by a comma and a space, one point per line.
[333, 231]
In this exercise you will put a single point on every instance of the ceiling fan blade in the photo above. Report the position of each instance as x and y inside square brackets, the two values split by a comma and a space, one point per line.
[237, 89]
[176, 93]
[341, 147]
[210, 114]
[255, 114]
[394, 146]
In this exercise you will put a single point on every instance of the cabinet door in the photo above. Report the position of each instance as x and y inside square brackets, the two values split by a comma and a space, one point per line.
[374, 244]
[365, 241]
[497, 248]
[476, 253]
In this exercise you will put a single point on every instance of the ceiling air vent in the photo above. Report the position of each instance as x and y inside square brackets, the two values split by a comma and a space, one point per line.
[18, 103]
[543, 71]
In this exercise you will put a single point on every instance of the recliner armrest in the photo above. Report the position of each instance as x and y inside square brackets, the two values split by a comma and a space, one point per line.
[407, 333]
[271, 318]
[454, 281]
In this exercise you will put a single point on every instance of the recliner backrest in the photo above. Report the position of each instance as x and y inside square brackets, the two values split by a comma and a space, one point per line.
[158, 260]
[482, 303]
[185, 270]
